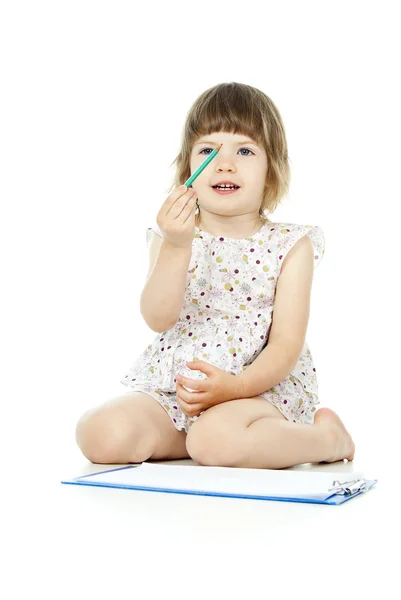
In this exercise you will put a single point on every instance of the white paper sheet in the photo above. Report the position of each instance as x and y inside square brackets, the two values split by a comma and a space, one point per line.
[226, 480]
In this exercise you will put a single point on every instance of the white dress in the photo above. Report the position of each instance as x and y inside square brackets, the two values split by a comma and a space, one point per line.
[226, 318]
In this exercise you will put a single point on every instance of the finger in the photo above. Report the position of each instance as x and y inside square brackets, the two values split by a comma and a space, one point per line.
[175, 209]
[192, 397]
[175, 194]
[191, 410]
[187, 396]
[195, 384]
[187, 209]
[174, 197]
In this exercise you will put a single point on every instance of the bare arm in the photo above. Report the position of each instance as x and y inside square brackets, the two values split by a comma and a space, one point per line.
[163, 295]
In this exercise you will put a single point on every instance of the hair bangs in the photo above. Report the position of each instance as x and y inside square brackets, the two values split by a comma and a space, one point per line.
[229, 113]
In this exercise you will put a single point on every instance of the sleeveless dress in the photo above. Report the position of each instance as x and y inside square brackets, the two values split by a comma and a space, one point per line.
[226, 318]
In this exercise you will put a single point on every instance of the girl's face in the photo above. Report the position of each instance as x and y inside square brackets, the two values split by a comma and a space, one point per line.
[240, 161]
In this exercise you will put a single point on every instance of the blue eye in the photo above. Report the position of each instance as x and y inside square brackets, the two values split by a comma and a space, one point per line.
[247, 149]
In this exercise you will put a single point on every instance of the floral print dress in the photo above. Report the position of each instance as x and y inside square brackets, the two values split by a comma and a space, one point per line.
[226, 318]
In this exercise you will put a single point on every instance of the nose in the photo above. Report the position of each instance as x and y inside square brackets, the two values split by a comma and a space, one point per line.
[224, 161]
[224, 164]
[220, 169]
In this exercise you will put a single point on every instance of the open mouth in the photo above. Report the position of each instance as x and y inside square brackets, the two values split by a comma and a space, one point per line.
[225, 189]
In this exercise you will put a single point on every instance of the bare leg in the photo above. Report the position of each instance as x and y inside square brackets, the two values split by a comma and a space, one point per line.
[253, 433]
[276, 444]
[345, 445]
[131, 428]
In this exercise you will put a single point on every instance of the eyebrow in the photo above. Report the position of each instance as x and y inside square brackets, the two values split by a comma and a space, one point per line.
[215, 143]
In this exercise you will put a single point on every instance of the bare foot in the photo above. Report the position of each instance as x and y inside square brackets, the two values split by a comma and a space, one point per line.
[345, 446]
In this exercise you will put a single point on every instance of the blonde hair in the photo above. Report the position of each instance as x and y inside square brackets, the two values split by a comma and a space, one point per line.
[239, 108]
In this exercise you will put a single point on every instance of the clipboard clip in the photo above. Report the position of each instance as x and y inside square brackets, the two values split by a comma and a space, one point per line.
[348, 487]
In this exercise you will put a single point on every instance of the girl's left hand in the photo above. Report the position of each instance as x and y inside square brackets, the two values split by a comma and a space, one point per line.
[219, 387]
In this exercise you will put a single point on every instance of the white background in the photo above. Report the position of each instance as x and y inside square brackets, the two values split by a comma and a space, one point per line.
[93, 100]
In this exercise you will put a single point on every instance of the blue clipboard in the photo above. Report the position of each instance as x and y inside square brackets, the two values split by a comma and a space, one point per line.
[338, 493]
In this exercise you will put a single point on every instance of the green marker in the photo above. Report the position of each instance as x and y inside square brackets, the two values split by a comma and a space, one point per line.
[203, 165]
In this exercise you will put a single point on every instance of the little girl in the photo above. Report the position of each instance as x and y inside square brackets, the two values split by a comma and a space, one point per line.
[229, 380]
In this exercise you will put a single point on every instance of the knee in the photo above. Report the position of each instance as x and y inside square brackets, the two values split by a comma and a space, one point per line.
[105, 436]
[210, 445]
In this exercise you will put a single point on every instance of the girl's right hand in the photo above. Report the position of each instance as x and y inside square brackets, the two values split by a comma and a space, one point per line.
[176, 218]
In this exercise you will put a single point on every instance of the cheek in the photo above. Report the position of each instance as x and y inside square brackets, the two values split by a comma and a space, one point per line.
[195, 163]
